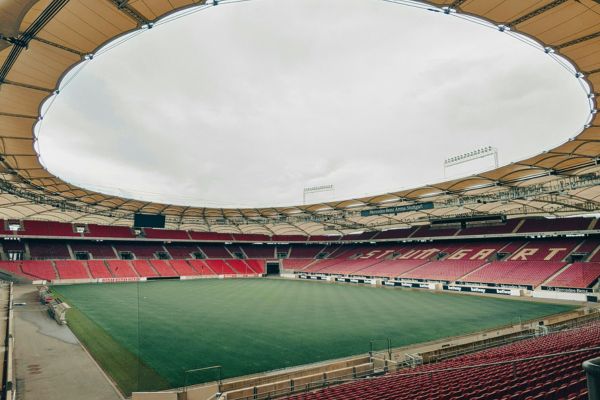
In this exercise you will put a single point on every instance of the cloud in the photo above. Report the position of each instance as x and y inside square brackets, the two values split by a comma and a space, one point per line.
[246, 104]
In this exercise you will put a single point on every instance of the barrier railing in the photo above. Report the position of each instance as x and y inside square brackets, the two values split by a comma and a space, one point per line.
[305, 387]
[346, 379]
[8, 387]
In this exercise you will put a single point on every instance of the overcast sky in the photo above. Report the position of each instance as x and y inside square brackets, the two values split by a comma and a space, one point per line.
[247, 104]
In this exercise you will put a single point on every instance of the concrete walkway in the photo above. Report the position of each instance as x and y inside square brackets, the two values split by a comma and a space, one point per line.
[50, 363]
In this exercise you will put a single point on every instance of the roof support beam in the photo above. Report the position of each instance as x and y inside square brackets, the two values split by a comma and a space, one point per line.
[130, 12]
[578, 40]
[23, 40]
[535, 13]
[59, 46]
[4, 114]
[27, 86]
[457, 3]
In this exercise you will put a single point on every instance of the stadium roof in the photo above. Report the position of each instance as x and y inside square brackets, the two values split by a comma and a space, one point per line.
[42, 40]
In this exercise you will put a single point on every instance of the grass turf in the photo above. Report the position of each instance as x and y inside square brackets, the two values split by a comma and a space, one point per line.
[254, 325]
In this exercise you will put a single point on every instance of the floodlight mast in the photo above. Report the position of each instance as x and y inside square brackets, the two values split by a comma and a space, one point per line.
[472, 155]
[316, 189]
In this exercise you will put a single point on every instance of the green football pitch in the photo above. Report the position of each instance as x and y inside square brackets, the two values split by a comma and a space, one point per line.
[147, 335]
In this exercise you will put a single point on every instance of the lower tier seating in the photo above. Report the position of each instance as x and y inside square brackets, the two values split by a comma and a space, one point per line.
[257, 266]
[163, 268]
[201, 268]
[40, 269]
[121, 269]
[391, 268]
[143, 268]
[103, 269]
[71, 269]
[98, 269]
[448, 270]
[182, 268]
[515, 272]
[578, 275]
[472, 377]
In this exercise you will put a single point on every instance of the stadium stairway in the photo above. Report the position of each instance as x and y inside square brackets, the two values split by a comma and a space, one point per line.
[559, 272]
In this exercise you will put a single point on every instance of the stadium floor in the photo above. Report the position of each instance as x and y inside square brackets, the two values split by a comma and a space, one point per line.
[254, 325]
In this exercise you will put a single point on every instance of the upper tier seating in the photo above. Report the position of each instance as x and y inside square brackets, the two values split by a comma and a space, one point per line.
[47, 228]
[48, 249]
[556, 377]
[396, 233]
[513, 246]
[595, 257]
[172, 234]
[515, 272]
[217, 237]
[181, 250]
[588, 246]
[13, 245]
[359, 236]
[258, 251]
[557, 224]
[427, 231]
[448, 270]
[103, 231]
[289, 238]
[527, 225]
[71, 269]
[324, 238]
[507, 227]
[121, 269]
[306, 250]
[98, 250]
[577, 275]
[215, 251]
[145, 250]
[250, 237]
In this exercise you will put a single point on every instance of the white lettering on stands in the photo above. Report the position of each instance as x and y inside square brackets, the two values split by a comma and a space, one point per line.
[483, 254]
[523, 254]
[553, 252]
[460, 254]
